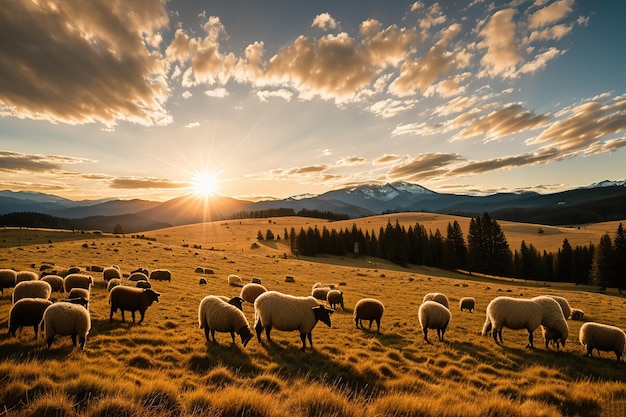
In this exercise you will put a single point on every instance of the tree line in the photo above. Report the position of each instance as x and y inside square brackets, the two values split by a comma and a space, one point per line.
[485, 251]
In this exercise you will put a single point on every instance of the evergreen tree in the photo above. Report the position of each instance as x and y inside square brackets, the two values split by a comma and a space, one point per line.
[455, 254]
[269, 235]
[565, 262]
[602, 260]
[619, 258]
[259, 235]
[304, 244]
[488, 250]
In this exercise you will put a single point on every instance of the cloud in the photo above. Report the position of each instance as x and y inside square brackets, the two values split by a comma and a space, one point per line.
[67, 55]
[265, 95]
[350, 161]
[508, 162]
[19, 162]
[219, 92]
[499, 38]
[192, 125]
[388, 159]
[550, 14]
[418, 129]
[423, 167]
[390, 107]
[324, 21]
[422, 73]
[146, 183]
[511, 119]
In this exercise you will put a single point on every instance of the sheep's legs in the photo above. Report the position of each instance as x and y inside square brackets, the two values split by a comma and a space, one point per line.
[426, 335]
[258, 328]
[530, 340]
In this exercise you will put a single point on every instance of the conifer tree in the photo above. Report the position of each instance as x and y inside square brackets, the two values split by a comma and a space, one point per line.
[455, 249]
[602, 260]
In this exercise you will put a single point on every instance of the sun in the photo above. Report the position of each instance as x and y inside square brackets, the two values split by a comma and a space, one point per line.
[205, 184]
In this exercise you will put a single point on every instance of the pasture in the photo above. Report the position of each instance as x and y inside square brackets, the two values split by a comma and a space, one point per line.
[165, 367]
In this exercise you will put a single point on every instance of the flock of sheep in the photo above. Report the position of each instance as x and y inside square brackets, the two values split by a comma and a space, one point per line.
[280, 311]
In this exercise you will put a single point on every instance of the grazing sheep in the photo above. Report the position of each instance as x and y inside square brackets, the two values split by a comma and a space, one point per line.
[114, 282]
[161, 275]
[111, 272]
[467, 303]
[26, 276]
[233, 301]
[320, 293]
[288, 313]
[334, 299]
[8, 279]
[216, 315]
[138, 276]
[55, 281]
[31, 289]
[67, 319]
[143, 284]
[27, 312]
[80, 293]
[251, 291]
[77, 281]
[142, 270]
[235, 280]
[131, 299]
[322, 285]
[74, 270]
[433, 315]
[554, 325]
[602, 337]
[438, 297]
[368, 309]
[567, 310]
[577, 314]
[519, 313]
[82, 301]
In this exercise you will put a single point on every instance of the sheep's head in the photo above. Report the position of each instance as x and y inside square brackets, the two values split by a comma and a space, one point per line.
[237, 302]
[245, 335]
[152, 295]
[322, 314]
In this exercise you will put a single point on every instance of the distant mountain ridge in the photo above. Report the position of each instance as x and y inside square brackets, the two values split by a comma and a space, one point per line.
[604, 200]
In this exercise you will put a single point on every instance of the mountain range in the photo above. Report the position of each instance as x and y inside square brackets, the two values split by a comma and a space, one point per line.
[602, 201]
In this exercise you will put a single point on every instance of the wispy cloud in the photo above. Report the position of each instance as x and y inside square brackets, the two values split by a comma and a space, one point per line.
[19, 162]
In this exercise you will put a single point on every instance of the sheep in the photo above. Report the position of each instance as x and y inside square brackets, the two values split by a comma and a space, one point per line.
[553, 325]
[320, 293]
[142, 270]
[438, 297]
[433, 315]
[111, 272]
[567, 310]
[236, 301]
[143, 284]
[334, 299]
[161, 275]
[467, 303]
[31, 289]
[577, 314]
[235, 280]
[113, 283]
[288, 313]
[321, 285]
[529, 314]
[55, 281]
[26, 276]
[138, 276]
[368, 309]
[27, 312]
[602, 337]
[215, 315]
[77, 281]
[251, 291]
[67, 319]
[80, 293]
[8, 279]
[131, 299]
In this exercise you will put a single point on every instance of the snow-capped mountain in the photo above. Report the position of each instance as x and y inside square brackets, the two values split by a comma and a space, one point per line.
[606, 183]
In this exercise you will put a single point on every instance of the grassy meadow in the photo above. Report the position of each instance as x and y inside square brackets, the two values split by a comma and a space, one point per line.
[164, 367]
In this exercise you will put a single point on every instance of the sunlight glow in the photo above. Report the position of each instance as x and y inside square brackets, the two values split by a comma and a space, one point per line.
[205, 184]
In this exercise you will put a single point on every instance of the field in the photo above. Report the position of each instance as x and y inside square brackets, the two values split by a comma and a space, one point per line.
[165, 367]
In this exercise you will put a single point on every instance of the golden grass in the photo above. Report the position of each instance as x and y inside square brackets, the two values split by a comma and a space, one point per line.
[165, 367]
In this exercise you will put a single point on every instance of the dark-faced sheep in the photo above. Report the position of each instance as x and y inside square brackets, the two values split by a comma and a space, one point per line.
[131, 299]
[216, 315]
[27, 312]
[8, 279]
[368, 309]
[80, 293]
[67, 319]
[286, 312]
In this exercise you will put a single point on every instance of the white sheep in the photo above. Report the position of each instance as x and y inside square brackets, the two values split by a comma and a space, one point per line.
[80, 293]
[77, 281]
[31, 289]
[321, 285]
[114, 282]
[320, 293]
[235, 280]
[67, 319]
[602, 337]
[216, 315]
[27, 312]
[437, 297]
[334, 299]
[554, 326]
[368, 309]
[434, 315]
[8, 279]
[161, 275]
[567, 310]
[111, 272]
[26, 276]
[467, 303]
[288, 313]
[251, 291]
[138, 276]
[55, 281]
[520, 313]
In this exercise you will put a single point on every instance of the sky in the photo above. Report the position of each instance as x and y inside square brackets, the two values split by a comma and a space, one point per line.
[156, 99]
